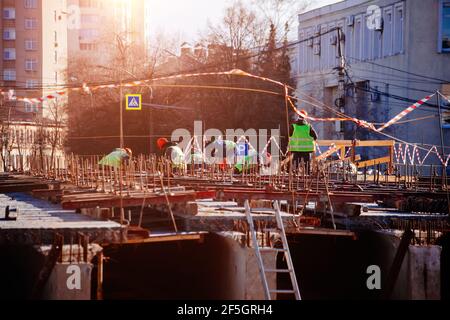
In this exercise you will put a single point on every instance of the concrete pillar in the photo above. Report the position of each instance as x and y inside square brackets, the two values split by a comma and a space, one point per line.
[71, 277]
[420, 273]
[243, 276]
[424, 272]
[69, 282]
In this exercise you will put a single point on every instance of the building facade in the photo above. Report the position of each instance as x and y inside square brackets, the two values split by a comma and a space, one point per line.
[34, 49]
[395, 52]
[33, 64]
[94, 25]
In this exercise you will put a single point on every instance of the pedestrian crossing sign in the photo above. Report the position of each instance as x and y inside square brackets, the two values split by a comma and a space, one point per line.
[134, 102]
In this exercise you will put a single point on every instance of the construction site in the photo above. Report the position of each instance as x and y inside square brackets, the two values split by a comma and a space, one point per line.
[151, 230]
[357, 210]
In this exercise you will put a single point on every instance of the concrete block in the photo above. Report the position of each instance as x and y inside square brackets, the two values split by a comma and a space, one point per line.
[257, 204]
[425, 272]
[69, 282]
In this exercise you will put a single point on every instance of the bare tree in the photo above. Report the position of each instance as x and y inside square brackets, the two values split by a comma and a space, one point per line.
[239, 31]
[279, 12]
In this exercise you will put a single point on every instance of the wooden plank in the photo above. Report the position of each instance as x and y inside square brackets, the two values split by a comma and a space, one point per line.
[359, 143]
[24, 187]
[46, 193]
[167, 238]
[117, 202]
[322, 232]
[297, 196]
[328, 153]
[374, 162]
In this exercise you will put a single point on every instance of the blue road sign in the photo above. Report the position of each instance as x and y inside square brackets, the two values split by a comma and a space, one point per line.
[134, 102]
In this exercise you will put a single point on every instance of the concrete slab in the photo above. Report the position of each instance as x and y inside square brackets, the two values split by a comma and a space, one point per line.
[37, 221]
[223, 216]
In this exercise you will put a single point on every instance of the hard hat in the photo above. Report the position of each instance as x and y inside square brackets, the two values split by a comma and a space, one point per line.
[304, 113]
[161, 142]
[295, 117]
[128, 151]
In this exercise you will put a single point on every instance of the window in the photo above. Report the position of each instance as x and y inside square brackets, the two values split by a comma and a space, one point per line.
[88, 34]
[9, 75]
[88, 46]
[387, 32]
[31, 4]
[367, 40]
[9, 13]
[30, 45]
[30, 107]
[90, 4]
[31, 65]
[377, 37]
[9, 34]
[90, 19]
[31, 84]
[31, 23]
[9, 54]
[56, 77]
[359, 25]
[398, 29]
[56, 57]
[444, 31]
[55, 35]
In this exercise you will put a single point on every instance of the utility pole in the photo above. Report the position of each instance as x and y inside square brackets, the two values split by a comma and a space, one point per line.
[340, 102]
[121, 47]
[444, 169]
[441, 131]
[121, 113]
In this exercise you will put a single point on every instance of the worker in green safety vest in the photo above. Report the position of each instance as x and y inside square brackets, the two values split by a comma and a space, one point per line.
[302, 137]
[252, 159]
[246, 162]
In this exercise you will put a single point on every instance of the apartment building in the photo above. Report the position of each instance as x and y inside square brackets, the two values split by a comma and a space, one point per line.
[33, 64]
[94, 25]
[34, 48]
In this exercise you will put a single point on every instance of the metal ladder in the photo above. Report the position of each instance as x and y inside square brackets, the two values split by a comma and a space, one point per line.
[285, 250]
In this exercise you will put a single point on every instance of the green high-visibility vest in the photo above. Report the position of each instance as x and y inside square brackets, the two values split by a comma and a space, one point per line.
[301, 140]
[248, 160]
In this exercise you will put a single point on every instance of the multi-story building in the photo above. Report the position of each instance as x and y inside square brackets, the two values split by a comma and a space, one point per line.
[396, 52]
[95, 24]
[34, 48]
[33, 64]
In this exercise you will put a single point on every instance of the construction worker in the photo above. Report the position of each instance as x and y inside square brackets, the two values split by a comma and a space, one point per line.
[246, 162]
[302, 137]
[225, 152]
[252, 158]
[172, 150]
[117, 157]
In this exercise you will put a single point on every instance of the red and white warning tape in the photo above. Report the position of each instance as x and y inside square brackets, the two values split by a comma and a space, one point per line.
[405, 112]
[402, 155]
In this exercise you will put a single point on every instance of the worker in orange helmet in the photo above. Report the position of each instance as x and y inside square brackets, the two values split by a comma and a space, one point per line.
[129, 152]
[172, 150]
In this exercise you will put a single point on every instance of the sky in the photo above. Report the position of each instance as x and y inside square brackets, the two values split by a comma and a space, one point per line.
[187, 17]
